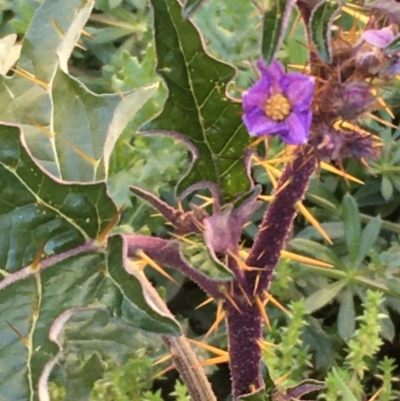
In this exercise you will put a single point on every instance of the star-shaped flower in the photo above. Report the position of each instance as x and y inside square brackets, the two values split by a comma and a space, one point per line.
[279, 103]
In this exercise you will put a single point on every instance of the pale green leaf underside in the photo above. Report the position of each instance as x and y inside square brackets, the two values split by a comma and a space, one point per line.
[36, 210]
[68, 130]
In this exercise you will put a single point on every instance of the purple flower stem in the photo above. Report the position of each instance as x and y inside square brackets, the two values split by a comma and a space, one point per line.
[245, 326]
[29, 271]
[168, 253]
[244, 329]
[278, 219]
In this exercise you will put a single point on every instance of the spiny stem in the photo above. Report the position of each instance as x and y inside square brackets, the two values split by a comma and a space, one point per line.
[278, 219]
[244, 330]
[168, 253]
[44, 264]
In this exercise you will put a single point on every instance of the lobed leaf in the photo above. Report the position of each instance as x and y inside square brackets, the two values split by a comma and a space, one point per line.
[38, 213]
[197, 109]
[69, 130]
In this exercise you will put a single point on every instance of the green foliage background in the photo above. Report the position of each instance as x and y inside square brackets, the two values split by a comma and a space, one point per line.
[333, 312]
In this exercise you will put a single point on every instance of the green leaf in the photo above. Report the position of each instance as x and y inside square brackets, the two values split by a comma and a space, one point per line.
[368, 238]
[344, 389]
[81, 380]
[393, 47]
[316, 250]
[352, 226]
[197, 107]
[36, 211]
[190, 7]
[320, 27]
[42, 97]
[275, 21]
[346, 316]
[386, 188]
[322, 297]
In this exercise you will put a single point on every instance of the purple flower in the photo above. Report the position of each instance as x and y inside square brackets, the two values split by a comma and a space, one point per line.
[379, 39]
[279, 103]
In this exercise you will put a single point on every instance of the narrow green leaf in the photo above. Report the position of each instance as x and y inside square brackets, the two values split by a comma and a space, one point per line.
[190, 7]
[197, 107]
[368, 238]
[322, 297]
[275, 21]
[393, 47]
[346, 316]
[386, 187]
[344, 389]
[352, 226]
[316, 250]
[320, 27]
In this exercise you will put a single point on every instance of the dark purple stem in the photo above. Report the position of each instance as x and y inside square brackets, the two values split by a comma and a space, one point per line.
[168, 253]
[244, 329]
[278, 219]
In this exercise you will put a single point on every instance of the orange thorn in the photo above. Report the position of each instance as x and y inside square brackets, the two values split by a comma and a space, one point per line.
[282, 378]
[162, 372]
[155, 265]
[24, 339]
[214, 361]
[263, 312]
[206, 302]
[82, 154]
[245, 294]
[209, 348]
[163, 359]
[102, 236]
[375, 396]
[35, 265]
[230, 299]
[30, 77]
[256, 283]
[313, 221]
[218, 319]
[283, 186]
[276, 303]
[304, 259]
[264, 347]
[45, 131]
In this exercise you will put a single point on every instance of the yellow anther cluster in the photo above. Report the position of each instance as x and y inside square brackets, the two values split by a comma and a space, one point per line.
[277, 107]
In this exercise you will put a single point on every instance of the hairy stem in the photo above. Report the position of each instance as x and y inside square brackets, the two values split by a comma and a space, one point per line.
[168, 253]
[244, 329]
[278, 219]
[44, 264]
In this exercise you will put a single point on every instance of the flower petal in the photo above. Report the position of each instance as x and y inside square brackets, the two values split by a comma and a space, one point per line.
[298, 126]
[299, 89]
[258, 123]
[273, 71]
[378, 37]
[257, 95]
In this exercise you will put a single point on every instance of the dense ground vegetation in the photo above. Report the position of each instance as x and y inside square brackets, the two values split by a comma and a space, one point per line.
[340, 325]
